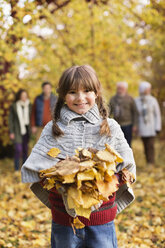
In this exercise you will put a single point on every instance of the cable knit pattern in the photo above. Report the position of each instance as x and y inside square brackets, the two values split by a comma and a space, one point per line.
[80, 131]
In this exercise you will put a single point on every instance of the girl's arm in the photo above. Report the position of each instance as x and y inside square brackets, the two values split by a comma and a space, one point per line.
[122, 147]
[124, 195]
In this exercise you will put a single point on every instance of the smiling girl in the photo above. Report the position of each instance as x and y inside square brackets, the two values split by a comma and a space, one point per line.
[80, 119]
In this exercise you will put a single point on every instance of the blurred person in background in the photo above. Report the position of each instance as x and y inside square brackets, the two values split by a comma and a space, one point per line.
[123, 109]
[19, 126]
[42, 109]
[149, 122]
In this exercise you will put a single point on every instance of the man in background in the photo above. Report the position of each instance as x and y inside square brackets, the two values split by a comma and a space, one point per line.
[42, 109]
[124, 111]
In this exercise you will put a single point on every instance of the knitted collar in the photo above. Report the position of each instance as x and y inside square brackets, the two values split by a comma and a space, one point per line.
[92, 116]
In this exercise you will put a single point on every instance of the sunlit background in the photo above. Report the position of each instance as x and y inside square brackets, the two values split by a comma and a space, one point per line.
[122, 40]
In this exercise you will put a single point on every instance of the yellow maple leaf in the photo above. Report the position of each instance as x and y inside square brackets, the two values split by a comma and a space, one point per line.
[77, 223]
[50, 183]
[107, 188]
[85, 212]
[53, 152]
[109, 148]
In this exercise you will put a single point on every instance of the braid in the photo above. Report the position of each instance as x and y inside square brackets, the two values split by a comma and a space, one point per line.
[56, 115]
[104, 128]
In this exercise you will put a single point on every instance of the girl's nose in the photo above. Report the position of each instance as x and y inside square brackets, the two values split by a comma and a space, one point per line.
[80, 95]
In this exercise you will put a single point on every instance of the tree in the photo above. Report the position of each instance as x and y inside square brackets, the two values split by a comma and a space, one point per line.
[122, 40]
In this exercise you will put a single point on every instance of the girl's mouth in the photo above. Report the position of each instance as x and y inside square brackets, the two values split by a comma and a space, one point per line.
[81, 104]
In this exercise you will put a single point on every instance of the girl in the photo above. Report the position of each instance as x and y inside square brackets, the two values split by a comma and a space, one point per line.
[80, 120]
[19, 121]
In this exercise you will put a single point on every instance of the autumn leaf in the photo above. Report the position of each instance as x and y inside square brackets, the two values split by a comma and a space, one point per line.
[53, 152]
[105, 156]
[77, 224]
[118, 159]
[107, 188]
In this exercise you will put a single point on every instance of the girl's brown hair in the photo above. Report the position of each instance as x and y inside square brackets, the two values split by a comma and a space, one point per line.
[74, 78]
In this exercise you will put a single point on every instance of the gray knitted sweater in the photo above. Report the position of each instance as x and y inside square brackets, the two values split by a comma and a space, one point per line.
[79, 131]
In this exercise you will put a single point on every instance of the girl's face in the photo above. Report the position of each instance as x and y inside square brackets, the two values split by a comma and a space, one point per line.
[81, 100]
[23, 96]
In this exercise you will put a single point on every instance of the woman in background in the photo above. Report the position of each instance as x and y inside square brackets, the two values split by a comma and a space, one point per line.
[19, 126]
[149, 123]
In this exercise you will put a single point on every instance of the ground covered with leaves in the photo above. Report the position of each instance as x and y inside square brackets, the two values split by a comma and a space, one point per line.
[25, 222]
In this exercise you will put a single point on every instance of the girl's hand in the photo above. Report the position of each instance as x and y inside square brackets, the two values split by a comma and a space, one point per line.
[12, 136]
[127, 176]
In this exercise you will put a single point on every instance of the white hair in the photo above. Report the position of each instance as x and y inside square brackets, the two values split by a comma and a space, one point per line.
[144, 85]
[122, 83]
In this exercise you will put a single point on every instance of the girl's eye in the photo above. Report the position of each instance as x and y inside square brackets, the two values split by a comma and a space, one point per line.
[87, 90]
[72, 92]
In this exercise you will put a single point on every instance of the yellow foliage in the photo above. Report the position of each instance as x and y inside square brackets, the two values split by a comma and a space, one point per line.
[87, 177]
[108, 42]
[53, 152]
[77, 223]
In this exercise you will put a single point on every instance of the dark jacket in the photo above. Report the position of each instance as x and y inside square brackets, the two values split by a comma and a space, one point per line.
[124, 110]
[37, 112]
[14, 126]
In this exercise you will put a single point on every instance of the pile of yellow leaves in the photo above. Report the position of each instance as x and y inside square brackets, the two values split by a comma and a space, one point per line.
[88, 177]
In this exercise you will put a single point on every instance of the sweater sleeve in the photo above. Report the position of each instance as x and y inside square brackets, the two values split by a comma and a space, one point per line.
[122, 147]
[124, 195]
[38, 158]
